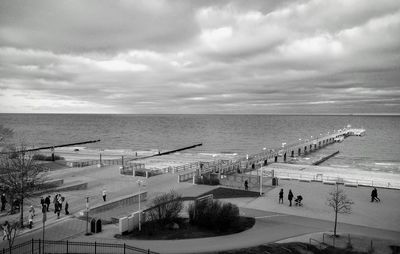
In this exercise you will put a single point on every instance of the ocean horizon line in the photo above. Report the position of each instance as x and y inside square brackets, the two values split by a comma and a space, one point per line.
[213, 114]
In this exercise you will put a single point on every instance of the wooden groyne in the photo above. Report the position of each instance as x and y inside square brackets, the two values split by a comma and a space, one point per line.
[325, 158]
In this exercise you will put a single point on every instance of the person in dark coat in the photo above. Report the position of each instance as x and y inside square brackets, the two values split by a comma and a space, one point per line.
[47, 202]
[66, 208]
[290, 197]
[57, 210]
[374, 195]
[246, 185]
[3, 202]
[281, 196]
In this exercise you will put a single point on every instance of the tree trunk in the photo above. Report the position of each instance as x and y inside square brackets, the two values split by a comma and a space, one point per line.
[334, 230]
[21, 209]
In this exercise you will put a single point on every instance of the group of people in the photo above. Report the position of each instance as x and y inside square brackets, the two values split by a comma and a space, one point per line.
[58, 202]
[15, 204]
[297, 201]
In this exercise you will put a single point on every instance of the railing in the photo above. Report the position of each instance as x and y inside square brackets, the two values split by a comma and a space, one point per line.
[79, 164]
[47, 246]
[336, 179]
[186, 176]
[180, 168]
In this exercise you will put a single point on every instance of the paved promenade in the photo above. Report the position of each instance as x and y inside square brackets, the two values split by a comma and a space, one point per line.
[273, 222]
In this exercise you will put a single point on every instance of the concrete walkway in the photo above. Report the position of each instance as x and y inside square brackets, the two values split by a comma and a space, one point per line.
[270, 225]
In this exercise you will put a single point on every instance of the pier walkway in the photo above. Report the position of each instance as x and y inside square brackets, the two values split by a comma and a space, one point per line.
[252, 162]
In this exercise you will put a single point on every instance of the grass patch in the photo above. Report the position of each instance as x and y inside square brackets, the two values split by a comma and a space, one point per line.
[153, 231]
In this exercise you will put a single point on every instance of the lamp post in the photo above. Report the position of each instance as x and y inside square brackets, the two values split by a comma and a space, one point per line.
[44, 209]
[87, 216]
[140, 183]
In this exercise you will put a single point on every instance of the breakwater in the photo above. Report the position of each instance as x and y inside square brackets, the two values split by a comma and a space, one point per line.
[324, 158]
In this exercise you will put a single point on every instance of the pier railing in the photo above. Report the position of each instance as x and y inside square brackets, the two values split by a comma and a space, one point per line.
[354, 182]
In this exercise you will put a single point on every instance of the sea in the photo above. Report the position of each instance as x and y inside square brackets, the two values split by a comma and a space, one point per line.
[378, 150]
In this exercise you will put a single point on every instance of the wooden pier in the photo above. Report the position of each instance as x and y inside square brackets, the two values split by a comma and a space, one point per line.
[252, 162]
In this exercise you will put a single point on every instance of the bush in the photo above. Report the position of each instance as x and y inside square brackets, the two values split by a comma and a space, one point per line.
[166, 208]
[214, 215]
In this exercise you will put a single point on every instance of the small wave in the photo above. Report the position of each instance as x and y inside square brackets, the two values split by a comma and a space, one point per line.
[339, 166]
[386, 163]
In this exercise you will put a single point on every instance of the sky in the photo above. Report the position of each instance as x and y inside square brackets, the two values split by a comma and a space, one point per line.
[200, 57]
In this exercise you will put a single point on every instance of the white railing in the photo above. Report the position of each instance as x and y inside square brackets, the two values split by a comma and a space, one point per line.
[337, 179]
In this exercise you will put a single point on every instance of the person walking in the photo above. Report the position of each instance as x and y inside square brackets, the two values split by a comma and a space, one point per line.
[246, 185]
[42, 203]
[104, 193]
[6, 230]
[31, 214]
[47, 202]
[57, 209]
[290, 197]
[281, 197]
[374, 195]
[66, 208]
[55, 203]
[60, 201]
[3, 202]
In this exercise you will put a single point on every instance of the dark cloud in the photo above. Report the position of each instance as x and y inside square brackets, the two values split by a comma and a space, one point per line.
[200, 56]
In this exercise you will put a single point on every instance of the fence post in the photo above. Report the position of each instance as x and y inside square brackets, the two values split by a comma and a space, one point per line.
[67, 247]
[32, 245]
[95, 248]
[124, 248]
[40, 248]
[148, 251]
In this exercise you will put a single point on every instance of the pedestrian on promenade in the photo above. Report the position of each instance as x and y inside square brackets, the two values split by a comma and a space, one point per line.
[30, 218]
[3, 202]
[6, 229]
[47, 202]
[66, 208]
[104, 195]
[55, 203]
[60, 200]
[374, 195]
[57, 210]
[290, 197]
[42, 203]
[32, 209]
[281, 196]
[246, 185]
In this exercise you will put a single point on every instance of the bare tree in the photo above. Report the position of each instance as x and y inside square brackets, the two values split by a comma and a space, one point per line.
[166, 207]
[11, 230]
[339, 202]
[20, 177]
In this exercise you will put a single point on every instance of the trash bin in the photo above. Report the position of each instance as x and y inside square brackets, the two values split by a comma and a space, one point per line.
[274, 181]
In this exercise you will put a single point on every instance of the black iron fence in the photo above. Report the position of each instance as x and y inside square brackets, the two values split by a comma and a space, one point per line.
[48, 246]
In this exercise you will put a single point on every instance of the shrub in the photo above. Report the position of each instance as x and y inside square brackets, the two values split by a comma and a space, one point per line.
[213, 215]
[165, 208]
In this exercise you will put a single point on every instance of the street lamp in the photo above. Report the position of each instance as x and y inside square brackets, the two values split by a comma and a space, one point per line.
[87, 216]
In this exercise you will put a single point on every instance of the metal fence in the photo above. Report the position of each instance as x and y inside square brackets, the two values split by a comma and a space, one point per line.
[47, 246]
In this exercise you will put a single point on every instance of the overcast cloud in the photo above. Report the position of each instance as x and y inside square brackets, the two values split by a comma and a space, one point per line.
[123, 56]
